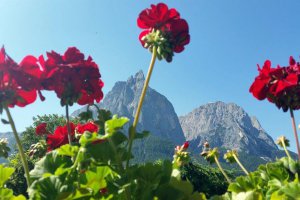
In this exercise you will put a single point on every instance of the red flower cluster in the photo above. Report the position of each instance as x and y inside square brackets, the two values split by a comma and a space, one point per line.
[18, 82]
[90, 127]
[173, 29]
[60, 135]
[73, 78]
[279, 85]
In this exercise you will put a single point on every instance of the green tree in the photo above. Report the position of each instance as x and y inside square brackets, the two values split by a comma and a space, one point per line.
[206, 179]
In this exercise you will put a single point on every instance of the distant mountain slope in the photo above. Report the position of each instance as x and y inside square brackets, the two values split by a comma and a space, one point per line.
[227, 126]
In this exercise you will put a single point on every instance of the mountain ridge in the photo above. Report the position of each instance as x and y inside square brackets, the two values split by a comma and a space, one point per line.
[227, 125]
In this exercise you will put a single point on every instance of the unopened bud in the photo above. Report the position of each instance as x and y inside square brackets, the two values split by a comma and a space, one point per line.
[185, 145]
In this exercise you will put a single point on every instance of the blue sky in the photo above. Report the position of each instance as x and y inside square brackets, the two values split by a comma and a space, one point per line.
[228, 40]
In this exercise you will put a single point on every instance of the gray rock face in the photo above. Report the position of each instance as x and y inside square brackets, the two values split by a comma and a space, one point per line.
[227, 126]
[158, 115]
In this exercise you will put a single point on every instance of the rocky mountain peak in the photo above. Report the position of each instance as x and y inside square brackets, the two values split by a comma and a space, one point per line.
[137, 81]
[226, 125]
[157, 116]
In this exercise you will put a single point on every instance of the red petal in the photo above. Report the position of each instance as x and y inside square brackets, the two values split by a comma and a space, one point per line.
[29, 66]
[292, 61]
[73, 55]
[259, 89]
[142, 34]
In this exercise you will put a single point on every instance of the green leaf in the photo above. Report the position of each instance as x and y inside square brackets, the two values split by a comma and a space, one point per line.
[19, 197]
[294, 166]
[95, 178]
[5, 173]
[291, 190]
[109, 152]
[88, 138]
[80, 193]
[49, 188]
[49, 164]
[67, 150]
[249, 195]
[7, 194]
[114, 124]
[183, 186]
[276, 170]
[4, 121]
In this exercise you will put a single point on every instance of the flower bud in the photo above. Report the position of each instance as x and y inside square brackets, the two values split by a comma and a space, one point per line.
[185, 145]
[283, 141]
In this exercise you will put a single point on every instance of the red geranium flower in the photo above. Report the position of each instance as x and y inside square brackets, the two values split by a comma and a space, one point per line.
[165, 29]
[90, 127]
[179, 36]
[259, 87]
[279, 85]
[73, 78]
[41, 129]
[157, 16]
[59, 137]
[14, 91]
[29, 73]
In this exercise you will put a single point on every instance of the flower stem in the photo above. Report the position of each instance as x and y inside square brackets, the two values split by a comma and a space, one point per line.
[221, 169]
[285, 149]
[295, 132]
[240, 164]
[68, 125]
[21, 151]
[143, 94]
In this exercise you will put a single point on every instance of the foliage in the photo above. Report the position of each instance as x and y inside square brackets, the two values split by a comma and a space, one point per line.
[94, 169]
[274, 181]
[205, 179]
[6, 193]
[17, 181]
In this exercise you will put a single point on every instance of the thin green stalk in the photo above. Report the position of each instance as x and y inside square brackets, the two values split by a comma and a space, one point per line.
[221, 169]
[240, 164]
[285, 149]
[68, 125]
[21, 151]
[143, 94]
[295, 132]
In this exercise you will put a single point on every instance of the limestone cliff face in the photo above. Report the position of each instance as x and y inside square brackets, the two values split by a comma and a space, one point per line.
[227, 126]
[158, 115]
